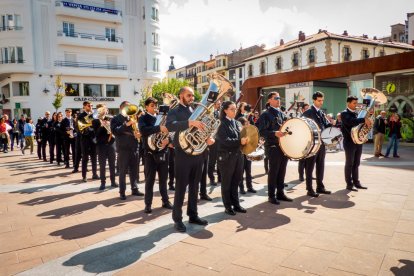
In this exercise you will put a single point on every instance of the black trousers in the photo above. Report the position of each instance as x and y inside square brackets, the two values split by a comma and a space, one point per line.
[277, 170]
[266, 163]
[247, 168]
[39, 149]
[78, 153]
[43, 145]
[153, 165]
[301, 167]
[52, 146]
[353, 154]
[88, 148]
[171, 169]
[59, 150]
[203, 180]
[231, 175]
[69, 147]
[319, 160]
[188, 171]
[106, 152]
[212, 161]
[128, 163]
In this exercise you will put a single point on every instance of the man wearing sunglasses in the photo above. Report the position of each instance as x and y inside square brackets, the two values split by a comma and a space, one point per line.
[269, 124]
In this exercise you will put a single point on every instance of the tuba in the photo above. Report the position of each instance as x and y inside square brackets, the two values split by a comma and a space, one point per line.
[155, 140]
[193, 140]
[131, 111]
[371, 96]
[85, 123]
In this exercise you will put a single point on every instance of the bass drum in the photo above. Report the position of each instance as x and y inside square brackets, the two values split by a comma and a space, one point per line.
[304, 139]
[331, 136]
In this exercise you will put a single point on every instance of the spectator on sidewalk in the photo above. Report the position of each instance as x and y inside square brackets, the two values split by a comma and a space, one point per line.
[394, 135]
[14, 134]
[29, 133]
[379, 133]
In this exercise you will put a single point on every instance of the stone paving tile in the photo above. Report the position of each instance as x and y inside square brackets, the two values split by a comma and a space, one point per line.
[326, 240]
[18, 267]
[369, 242]
[282, 271]
[52, 249]
[384, 214]
[309, 259]
[358, 261]
[143, 268]
[262, 258]
[409, 205]
[335, 272]
[405, 226]
[247, 238]
[407, 215]
[398, 263]
[402, 241]
[235, 270]
[377, 227]
[287, 239]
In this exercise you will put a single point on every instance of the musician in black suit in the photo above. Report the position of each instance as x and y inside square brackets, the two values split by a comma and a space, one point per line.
[269, 124]
[77, 157]
[316, 114]
[69, 138]
[155, 161]
[352, 151]
[212, 154]
[127, 146]
[59, 132]
[105, 144]
[230, 158]
[45, 133]
[301, 163]
[188, 168]
[88, 147]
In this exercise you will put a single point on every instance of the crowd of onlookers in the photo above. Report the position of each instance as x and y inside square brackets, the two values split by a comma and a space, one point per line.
[390, 125]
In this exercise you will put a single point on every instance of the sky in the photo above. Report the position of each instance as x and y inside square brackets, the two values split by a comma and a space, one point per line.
[192, 30]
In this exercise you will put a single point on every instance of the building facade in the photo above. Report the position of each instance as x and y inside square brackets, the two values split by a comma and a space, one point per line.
[102, 50]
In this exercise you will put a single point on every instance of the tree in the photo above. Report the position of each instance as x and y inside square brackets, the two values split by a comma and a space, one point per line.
[171, 86]
[57, 103]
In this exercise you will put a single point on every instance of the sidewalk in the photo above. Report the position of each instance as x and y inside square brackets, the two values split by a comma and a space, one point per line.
[52, 223]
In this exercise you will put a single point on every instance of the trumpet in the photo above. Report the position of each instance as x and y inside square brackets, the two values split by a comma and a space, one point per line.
[131, 111]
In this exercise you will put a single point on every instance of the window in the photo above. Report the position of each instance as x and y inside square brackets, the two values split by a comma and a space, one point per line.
[143, 12]
[240, 84]
[311, 55]
[382, 53]
[113, 111]
[224, 62]
[26, 112]
[347, 54]
[110, 34]
[262, 67]
[154, 14]
[295, 59]
[250, 70]
[72, 89]
[218, 63]
[204, 79]
[5, 90]
[69, 29]
[21, 88]
[232, 74]
[112, 90]
[19, 54]
[10, 22]
[11, 55]
[240, 73]
[365, 54]
[92, 90]
[155, 65]
[279, 63]
[5, 55]
[155, 39]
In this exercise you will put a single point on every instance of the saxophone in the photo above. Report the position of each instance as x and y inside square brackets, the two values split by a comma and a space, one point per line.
[193, 140]
[155, 140]
[360, 132]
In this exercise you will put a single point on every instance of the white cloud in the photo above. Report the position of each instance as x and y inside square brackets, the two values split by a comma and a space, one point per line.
[192, 30]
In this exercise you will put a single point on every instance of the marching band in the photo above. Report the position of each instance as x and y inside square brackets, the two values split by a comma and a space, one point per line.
[182, 142]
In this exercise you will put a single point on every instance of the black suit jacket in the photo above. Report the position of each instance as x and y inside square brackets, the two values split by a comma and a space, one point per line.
[66, 126]
[125, 139]
[349, 120]
[320, 119]
[228, 137]
[146, 127]
[177, 120]
[268, 123]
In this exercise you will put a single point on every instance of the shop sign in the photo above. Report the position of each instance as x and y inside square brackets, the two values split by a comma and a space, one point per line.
[93, 99]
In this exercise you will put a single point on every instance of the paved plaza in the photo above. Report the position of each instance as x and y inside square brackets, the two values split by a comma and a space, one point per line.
[54, 224]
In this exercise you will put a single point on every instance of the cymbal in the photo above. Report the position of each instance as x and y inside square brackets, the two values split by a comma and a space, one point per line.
[379, 97]
[253, 133]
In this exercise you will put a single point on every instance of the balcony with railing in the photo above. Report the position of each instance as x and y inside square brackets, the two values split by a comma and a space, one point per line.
[62, 63]
[10, 28]
[88, 9]
[89, 40]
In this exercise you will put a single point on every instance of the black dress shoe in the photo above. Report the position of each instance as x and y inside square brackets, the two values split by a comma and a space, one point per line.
[102, 187]
[359, 186]
[312, 193]
[84, 179]
[239, 209]
[273, 200]
[351, 188]
[283, 197]
[137, 193]
[171, 188]
[396, 156]
[113, 184]
[122, 196]
[95, 176]
[251, 190]
[67, 167]
[180, 227]
[323, 191]
[198, 220]
[75, 171]
[230, 212]
[242, 191]
[148, 209]
[167, 205]
[206, 197]
[301, 178]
